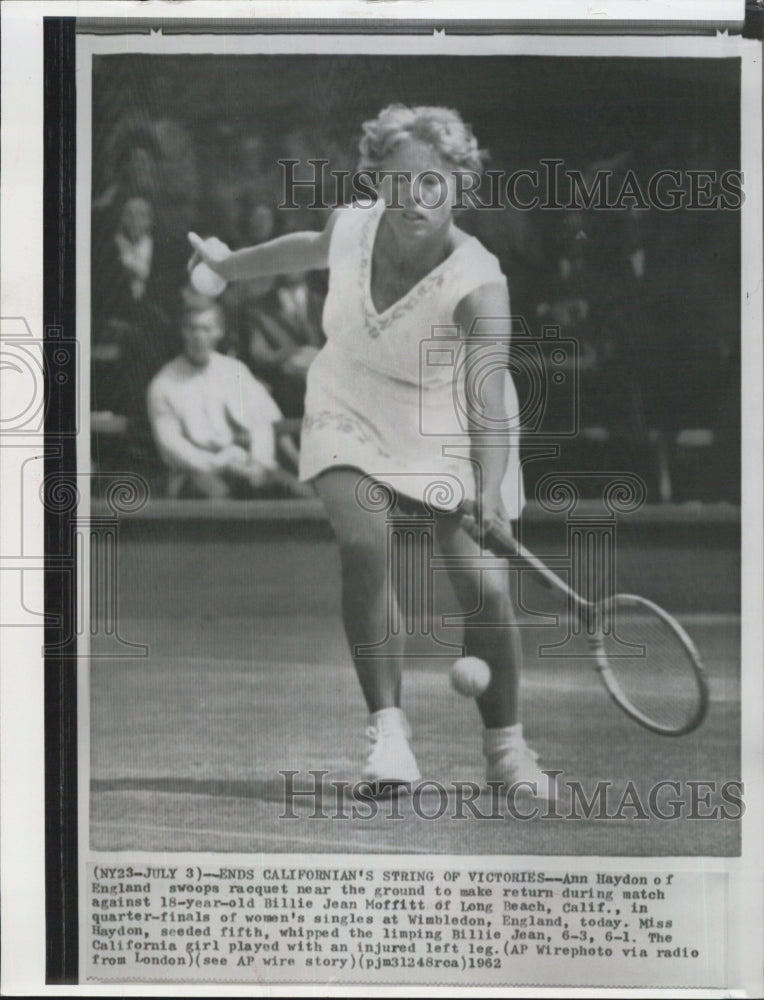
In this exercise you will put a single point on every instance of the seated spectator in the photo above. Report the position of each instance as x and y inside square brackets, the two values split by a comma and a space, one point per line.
[284, 334]
[135, 245]
[132, 336]
[126, 285]
[214, 424]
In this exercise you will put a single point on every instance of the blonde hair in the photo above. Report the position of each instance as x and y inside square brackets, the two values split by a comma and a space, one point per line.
[441, 128]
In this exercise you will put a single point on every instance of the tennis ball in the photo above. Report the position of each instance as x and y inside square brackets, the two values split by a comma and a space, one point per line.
[470, 676]
[206, 281]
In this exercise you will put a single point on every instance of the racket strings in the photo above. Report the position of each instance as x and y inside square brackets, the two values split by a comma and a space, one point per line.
[652, 664]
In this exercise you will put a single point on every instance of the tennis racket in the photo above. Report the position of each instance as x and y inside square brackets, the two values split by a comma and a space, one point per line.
[647, 662]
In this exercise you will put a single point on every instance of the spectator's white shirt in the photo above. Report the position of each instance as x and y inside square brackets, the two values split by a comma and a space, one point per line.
[196, 412]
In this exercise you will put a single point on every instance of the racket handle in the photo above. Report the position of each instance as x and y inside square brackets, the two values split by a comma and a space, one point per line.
[500, 541]
[503, 543]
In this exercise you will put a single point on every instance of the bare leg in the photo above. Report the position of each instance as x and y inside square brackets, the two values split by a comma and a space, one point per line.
[368, 598]
[208, 485]
[288, 482]
[490, 633]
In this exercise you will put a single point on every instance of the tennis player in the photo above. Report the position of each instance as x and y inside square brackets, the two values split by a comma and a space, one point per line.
[399, 267]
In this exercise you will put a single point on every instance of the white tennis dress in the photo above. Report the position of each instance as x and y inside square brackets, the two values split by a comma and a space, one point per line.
[386, 392]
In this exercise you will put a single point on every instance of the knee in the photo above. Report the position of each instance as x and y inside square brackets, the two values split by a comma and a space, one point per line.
[363, 555]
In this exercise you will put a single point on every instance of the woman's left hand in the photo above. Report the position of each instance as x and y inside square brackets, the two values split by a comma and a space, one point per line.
[494, 518]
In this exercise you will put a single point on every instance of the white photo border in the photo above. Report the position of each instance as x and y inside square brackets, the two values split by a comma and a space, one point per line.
[22, 687]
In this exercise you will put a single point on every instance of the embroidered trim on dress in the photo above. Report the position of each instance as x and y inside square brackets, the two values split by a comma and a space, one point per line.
[375, 322]
[344, 425]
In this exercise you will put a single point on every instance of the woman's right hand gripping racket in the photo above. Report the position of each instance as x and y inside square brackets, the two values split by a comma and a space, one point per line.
[647, 662]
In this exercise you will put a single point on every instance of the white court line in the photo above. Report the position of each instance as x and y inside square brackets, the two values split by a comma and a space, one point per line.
[689, 618]
[698, 617]
[709, 618]
[537, 676]
[590, 682]
[332, 845]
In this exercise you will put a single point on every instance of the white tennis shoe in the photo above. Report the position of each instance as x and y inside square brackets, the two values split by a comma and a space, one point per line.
[391, 762]
[512, 762]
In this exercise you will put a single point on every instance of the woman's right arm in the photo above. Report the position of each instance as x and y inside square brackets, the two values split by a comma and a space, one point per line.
[304, 251]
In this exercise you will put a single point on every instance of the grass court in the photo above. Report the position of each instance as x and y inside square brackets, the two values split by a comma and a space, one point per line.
[248, 675]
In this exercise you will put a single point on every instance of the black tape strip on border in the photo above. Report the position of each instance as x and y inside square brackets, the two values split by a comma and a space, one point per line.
[60, 686]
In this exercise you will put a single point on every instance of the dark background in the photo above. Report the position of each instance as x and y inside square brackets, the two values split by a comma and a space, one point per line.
[662, 346]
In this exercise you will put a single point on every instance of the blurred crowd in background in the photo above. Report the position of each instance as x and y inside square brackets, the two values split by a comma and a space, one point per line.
[651, 298]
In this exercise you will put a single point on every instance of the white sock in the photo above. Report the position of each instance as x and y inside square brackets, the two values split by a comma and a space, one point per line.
[499, 739]
[392, 717]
